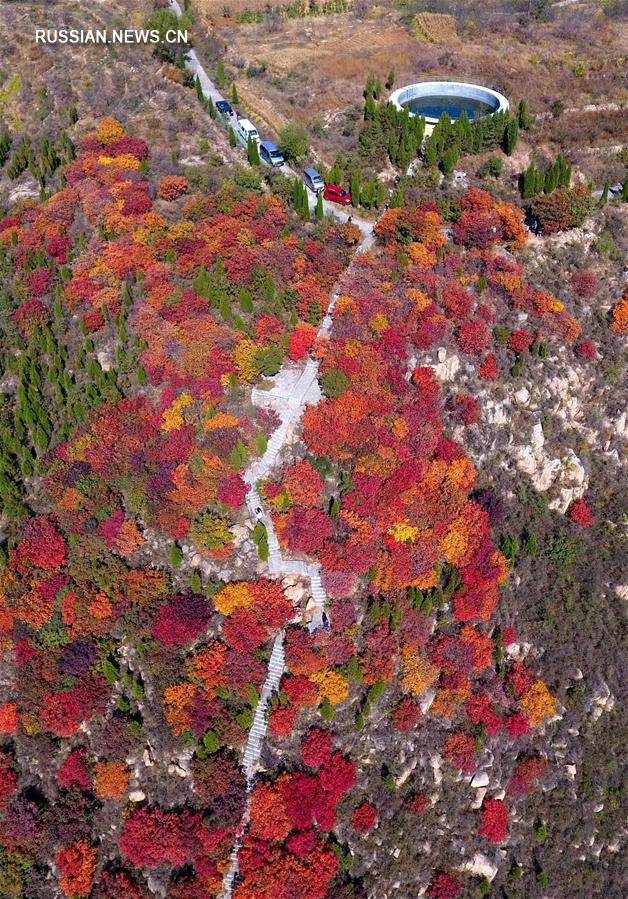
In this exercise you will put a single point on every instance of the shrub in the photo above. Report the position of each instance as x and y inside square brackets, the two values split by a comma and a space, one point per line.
[584, 283]
[494, 823]
[580, 513]
[562, 209]
[586, 350]
[520, 341]
[364, 817]
[444, 886]
[619, 322]
[562, 550]
[293, 141]
[211, 532]
[172, 186]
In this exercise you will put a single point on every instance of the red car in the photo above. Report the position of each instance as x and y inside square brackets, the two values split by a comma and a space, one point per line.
[337, 195]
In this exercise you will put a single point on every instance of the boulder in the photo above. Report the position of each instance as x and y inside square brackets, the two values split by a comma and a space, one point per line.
[480, 780]
[481, 866]
[447, 370]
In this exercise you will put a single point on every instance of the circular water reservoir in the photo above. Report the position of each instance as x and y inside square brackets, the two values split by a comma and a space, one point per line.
[431, 98]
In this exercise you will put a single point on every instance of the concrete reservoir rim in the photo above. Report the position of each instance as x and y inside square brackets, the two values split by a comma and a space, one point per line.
[462, 89]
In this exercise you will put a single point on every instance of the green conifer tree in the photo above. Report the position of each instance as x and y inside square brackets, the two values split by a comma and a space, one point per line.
[319, 206]
[523, 116]
[449, 160]
[252, 151]
[305, 203]
[551, 179]
[220, 74]
[511, 135]
[354, 188]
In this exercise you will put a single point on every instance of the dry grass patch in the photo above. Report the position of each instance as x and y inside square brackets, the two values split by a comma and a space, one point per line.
[436, 28]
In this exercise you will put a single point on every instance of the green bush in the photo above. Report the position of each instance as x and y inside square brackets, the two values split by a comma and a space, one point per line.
[175, 555]
[562, 550]
[334, 382]
[294, 141]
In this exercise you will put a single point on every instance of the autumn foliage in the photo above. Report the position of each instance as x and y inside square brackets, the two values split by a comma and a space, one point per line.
[112, 622]
[494, 824]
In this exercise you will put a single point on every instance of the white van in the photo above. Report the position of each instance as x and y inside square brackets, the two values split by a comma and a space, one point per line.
[245, 130]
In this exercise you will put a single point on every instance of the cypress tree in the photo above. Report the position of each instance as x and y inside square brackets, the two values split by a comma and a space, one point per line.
[225, 308]
[604, 198]
[563, 171]
[431, 153]
[354, 188]
[232, 137]
[523, 115]
[449, 160]
[624, 191]
[319, 206]
[234, 93]
[551, 179]
[397, 198]
[335, 173]
[528, 182]
[463, 133]
[246, 300]
[419, 131]
[511, 135]
[370, 88]
[199, 89]
[252, 151]
[393, 145]
[367, 194]
[220, 73]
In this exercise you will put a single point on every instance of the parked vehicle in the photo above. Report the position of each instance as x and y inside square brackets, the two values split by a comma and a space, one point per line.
[270, 153]
[337, 195]
[224, 107]
[313, 180]
[245, 130]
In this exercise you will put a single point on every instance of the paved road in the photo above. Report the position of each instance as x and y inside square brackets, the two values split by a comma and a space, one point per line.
[209, 88]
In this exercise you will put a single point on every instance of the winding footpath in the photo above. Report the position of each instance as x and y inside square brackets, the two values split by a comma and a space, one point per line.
[289, 403]
[290, 409]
